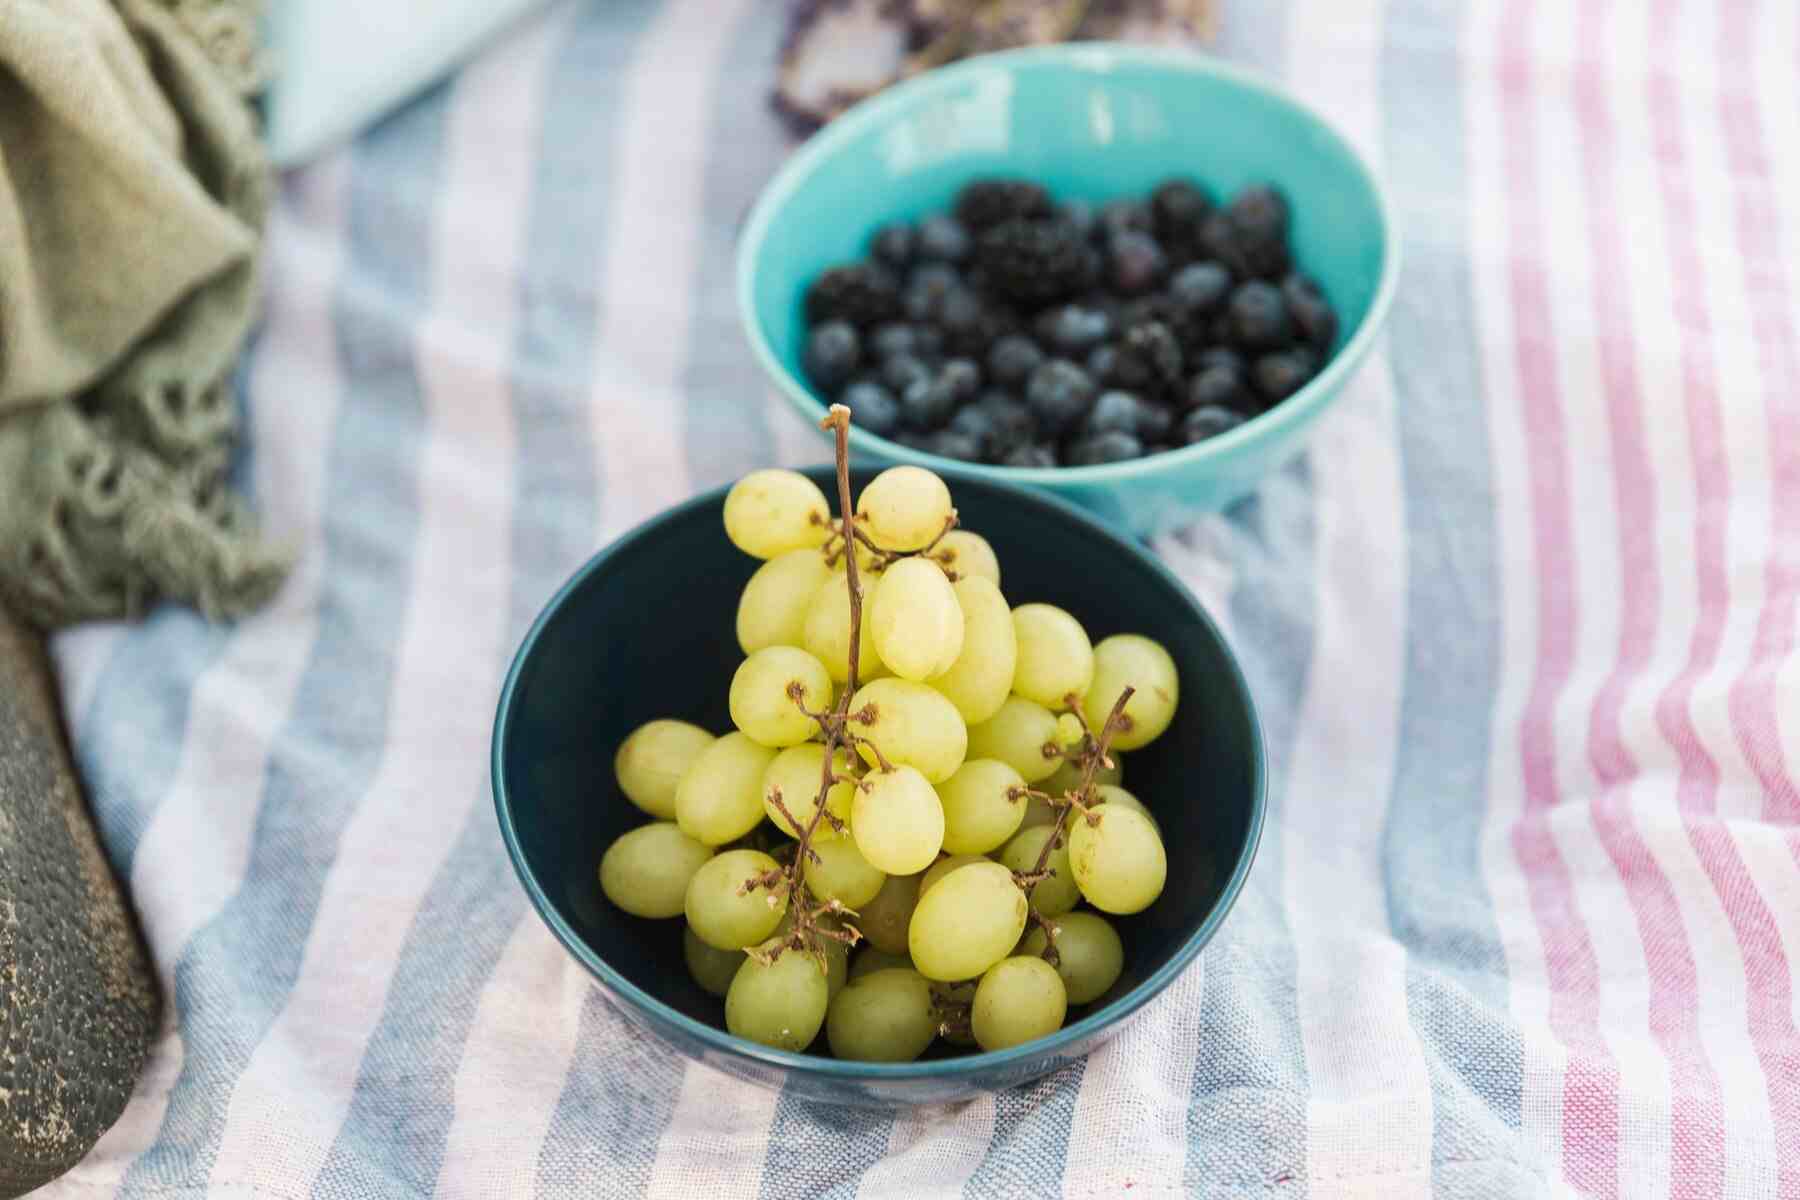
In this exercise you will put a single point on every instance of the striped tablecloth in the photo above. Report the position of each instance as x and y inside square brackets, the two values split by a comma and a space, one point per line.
[1521, 627]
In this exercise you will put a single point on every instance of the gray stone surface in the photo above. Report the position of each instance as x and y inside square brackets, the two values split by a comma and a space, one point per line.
[78, 1001]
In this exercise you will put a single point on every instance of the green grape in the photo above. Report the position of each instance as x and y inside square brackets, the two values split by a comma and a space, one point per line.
[870, 959]
[1118, 859]
[978, 682]
[772, 611]
[1056, 894]
[1067, 777]
[1130, 660]
[781, 1004]
[980, 807]
[903, 508]
[1088, 950]
[943, 867]
[761, 705]
[837, 954]
[826, 635]
[969, 555]
[646, 871]
[720, 798]
[719, 915]
[712, 968]
[915, 621]
[882, 1016]
[651, 762]
[796, 771]
[968, 922]
[911, 724]
[1018, 1000]
[897, 821]
[1069, 733]
[1017, 735]
[842, 874]
[885, 918]
[1055, 656]
[771, 512]
[1106, 793]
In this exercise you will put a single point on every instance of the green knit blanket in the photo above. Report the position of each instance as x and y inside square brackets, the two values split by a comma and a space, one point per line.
[133, 191]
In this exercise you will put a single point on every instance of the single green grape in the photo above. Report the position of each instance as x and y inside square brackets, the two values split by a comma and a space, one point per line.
[882, 1016]
[897, 820]
[761, 703]
[969, 555]
[978, 682]
[1118, 859]
[772, 610]
[1057, 893]
[772, 511]
[885, 918]
[943, 867]
[983, 806]
[1018, 1000]
[1107, 793]
[826, 634]
[722, 917]
[650, 763]
[1055, 656]
[713, 969]
[1017, 735]
[903, 508]
[915, 621]
[910, 724]
[646, 871]
[780, 1004]
[720, 797]
[871, 959]
[1090, 955]
[842, 874]
[796, 772]
[1130, 660]
[970, 920]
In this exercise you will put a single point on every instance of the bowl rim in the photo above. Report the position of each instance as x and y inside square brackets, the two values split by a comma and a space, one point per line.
[1093, 57]
[944, 1068]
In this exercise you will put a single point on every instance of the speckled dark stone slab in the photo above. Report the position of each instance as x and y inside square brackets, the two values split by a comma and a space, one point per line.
[78, 1001]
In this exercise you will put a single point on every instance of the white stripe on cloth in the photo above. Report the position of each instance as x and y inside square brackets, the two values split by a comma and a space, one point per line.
[1370, 1109]
[297, 1085]
[932, 1151]
[1545, 1056]
[81, 656]
[242, 699]
[651, 265]
[717, 1141]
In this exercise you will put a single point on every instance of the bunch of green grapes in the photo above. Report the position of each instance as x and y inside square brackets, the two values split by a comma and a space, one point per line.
[946, 839]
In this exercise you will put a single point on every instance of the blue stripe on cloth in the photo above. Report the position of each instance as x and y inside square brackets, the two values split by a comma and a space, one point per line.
[236, 975]
[1438, 903]
[1246, 1121]
[474, 903]
[724, 422]
[1031, 1137]
[820, 1150]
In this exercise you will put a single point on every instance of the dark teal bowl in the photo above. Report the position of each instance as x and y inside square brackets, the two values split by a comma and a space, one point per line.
[646, 629]
[1090, 121]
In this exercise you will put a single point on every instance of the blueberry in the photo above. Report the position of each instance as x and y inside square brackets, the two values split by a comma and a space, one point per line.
[1177, 208]
[1259, 214]
[1136, 263]
[1080, 214]
[893, 244]
[974, 422]
[1030, 455]
[894, 338]
[934, 277]
[1103, 363]
[1113, 411]
[1012, 420]
[1278, 376]
[1072, 328]
[1217, 387]
[1153, 421]
[902, 371]
[1219, 242]
[961, 378]
[1220, 356]
[1308, 306]
[832, 352]
[1059, 394]
[931, 342]
[1105, 448]
[952, 444]
[1012, 358]
[1258, 317]
[1203, 423]
[1153, 342]
[944, 239]
[1199, 288]
[1124, 216]
[873, 406]
[964, 322]
[1157, 448]
[926, 405]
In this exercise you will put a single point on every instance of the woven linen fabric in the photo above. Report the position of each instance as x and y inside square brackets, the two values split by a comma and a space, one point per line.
[1520, 626]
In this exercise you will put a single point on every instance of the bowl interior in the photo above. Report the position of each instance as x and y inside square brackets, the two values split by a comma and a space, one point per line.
[1090, 122]
[647, 631]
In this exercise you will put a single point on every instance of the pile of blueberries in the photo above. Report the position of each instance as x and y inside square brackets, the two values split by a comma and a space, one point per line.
[1019, 331]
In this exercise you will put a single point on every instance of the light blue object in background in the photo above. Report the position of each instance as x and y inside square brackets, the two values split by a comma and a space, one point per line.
[338, 65]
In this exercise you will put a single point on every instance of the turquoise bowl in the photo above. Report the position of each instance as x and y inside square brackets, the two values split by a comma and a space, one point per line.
[646, 629]
[1091, 121]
